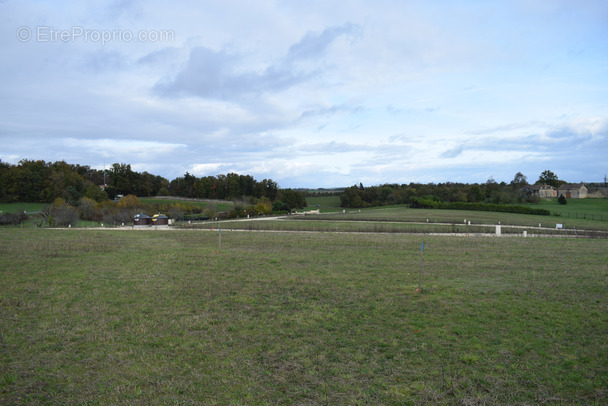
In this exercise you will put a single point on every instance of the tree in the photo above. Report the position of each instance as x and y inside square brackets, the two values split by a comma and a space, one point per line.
[31, 179]
[121, 176]
[87, 208]
[190, 185]
[562, 199]
[475, 195]
[519, 180]
[293, 198]
[129, 202]
[280, 206]
[62, 214]
[549, 178]
[490, 187]
[266, 188]
[95, 193]
[263, 205]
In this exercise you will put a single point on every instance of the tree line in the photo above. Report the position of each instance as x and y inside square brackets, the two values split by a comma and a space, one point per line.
[37, 181]
[490, 192]
[42, 182]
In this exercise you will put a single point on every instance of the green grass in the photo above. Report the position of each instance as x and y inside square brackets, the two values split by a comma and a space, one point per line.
[402, 213]
[325, 203]
[220, 206]
[20, 207]
[577, 208]
[159, 317]
[353, 226]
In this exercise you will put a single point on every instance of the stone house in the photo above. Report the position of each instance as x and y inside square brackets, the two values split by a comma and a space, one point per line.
[542, 191]
[573, 191]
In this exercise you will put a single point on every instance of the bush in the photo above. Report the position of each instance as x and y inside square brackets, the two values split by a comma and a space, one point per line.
[129, 202]
[12, 218]
[495, 207]
[562, 199]
[419, 203]
[533, 199]
[422, 203]
[87, 208]
[279, 206]
[262, 206]
[63, 216]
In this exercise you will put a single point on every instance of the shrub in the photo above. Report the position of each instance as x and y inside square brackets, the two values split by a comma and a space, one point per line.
[63, 216]
[419, 203]
[12, 218]
[129, 202]
[533, 199]
[263, 206]
[562, 199]
[495, 207]
[422, 203]
[87, 208]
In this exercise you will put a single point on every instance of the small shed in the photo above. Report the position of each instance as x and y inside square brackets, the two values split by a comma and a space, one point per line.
[142, 220]
[160, 220]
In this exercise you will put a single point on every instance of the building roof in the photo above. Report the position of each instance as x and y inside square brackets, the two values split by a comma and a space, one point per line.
[571, 186]
[538, 187]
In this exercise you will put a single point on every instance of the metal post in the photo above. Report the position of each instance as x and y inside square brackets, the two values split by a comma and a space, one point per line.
[420, 275]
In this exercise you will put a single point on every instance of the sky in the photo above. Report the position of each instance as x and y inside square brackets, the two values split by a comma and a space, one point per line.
[310, 94]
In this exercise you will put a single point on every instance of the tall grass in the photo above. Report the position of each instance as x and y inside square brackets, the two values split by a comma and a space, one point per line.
[149, 317]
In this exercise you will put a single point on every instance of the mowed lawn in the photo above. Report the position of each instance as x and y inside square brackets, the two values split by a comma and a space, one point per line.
[160, 317]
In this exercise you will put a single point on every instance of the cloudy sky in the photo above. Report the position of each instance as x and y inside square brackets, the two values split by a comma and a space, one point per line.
[309, 93]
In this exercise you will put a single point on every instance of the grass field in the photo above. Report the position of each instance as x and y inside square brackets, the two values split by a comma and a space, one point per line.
[220, 205]
[577, 208]
[401, 219]
[20, 207]
[159, 317]
[325, 203]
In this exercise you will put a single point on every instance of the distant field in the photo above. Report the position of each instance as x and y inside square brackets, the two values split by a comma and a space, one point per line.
[159, 317]
[577, 208]
[20, 207]
[402, 213]
[325, 203]
[389, 218]
[220, 206]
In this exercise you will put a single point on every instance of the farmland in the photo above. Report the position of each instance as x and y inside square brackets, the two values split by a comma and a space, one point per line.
[157, 317]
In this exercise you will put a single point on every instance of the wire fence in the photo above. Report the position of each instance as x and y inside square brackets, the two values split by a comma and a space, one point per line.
[582, 216]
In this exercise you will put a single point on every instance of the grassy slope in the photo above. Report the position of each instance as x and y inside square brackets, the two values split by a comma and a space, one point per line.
[19, 207]
[576, 206]
[326, 203]
[220, 206]
[144, 317]
[595, 211]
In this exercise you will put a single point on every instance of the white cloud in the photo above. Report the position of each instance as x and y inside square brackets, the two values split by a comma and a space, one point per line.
[211, 169]
[313, 93]
[136, 149]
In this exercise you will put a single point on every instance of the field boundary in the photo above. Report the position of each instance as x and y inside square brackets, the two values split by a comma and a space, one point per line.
[585, 234]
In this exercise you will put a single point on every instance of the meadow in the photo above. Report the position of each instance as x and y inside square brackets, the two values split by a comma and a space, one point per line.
[401, 219]
[202, 204]
[594, 209]
[21, 207]
[161, 317]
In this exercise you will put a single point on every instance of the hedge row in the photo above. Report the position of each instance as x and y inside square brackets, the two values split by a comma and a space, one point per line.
[418, 203]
